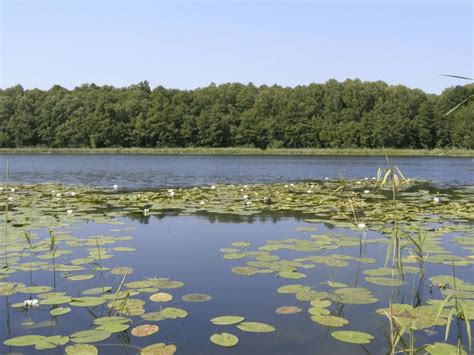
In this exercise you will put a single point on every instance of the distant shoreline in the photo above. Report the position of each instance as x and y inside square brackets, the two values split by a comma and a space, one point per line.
[240, 151]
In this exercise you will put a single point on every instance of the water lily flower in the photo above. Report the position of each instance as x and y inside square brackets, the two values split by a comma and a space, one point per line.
[31, 303]
[146, 211]
[12, 190]
[115, 187]
[326, 178]
[10, 199]
[246, 197]
[436, 200]
[309, 191]
[361, 225]
[58, 195]
[69, 211]
[286, 185]
[292, 185]
[366, 178]
[359, 182]
[248, 203]
[202, 202]
[267, 199]
[170, 190]
[213, 186]
[73, 193]
[245, 187]
[366, 191]
[172, 193]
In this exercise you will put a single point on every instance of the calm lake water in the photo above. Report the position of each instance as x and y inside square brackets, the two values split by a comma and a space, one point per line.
[187, 248]
[145, 171]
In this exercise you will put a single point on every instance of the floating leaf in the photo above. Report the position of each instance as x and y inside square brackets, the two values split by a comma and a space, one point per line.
[81, 349]
[384, 281]
[288, 310]
[145, 330]
[196, 297]
[291, 275]
[353, 337]
[224, 339]
[87, 301]
[51, 342]
[34, 289]
[173, 313]
[227, 320]
[24, 340]
[59, 311]
[97, 290]
[159, 349]
[255, 327]
[329, 321]
[443, 349]
[90, 336]
[56, 300]
[161, 297]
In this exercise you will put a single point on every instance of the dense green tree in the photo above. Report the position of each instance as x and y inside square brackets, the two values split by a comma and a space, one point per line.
[336, 114]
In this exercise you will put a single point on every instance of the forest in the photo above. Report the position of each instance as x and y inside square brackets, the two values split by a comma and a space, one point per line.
[349, 114]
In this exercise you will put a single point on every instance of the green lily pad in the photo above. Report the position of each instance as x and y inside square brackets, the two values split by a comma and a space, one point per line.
[90, 336]
[353, 337]
[97, 290]
[255, 327]
[24, 340]
[161, 297]
[291, 275]
[87, 301]
[227, 320]
[56, 300]
[329, 321]
[51, 342]
[226, 340]
[159, 349]
[81, 349]
[196, 297]
[59, 311]
[443, 349]
[173, 313]
[384, 281]
[34, 289]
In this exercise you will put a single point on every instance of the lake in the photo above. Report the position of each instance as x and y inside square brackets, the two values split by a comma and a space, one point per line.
[279, 236]
[145, 171]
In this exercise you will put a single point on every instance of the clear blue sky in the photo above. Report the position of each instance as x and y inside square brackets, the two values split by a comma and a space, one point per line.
[188, 44]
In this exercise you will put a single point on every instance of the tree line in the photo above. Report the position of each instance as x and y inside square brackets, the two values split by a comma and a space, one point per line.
[349, 114]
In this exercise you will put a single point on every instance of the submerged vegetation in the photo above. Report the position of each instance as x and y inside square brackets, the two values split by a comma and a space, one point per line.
[418, 226]
[349, 114]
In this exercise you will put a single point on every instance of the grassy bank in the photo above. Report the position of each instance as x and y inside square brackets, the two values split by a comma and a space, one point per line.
[245, 151]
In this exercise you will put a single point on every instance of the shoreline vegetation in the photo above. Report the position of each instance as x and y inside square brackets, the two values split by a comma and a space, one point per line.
[240, 151]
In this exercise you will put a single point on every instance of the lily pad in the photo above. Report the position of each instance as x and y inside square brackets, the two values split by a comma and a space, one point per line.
[196, 297]
[87, 301]
[90, 336]
[329, 321]
[159, 349]
[59, 311]
[145, 330]
[255, 327]
[443, 349]
[226, 340]
[173, 313]
[227, 320]
[161, 297]
[353, 337]
[24, 340]
[288, 310]
[81, 349]
[51, 342]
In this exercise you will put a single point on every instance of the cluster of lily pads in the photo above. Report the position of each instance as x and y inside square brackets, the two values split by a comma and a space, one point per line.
[40, 221]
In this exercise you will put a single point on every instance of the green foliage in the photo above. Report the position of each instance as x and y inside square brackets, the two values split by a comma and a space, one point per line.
[349, 114]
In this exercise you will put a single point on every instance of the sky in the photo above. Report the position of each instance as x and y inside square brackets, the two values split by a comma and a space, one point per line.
[189, 44]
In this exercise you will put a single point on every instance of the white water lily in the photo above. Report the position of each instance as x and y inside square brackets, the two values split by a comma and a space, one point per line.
[69, 211]
[58, 195]
[436, 200]
[359, 182]
[10, 199]
[146, 211]
[248, 203]
[202, 202]
[115, 187]
[309, 191]
[31, 303]
[245, 187]
[286, 186]
[366, 178]
[326, 178]
[245, 197]
[292, 185]
[366, 191]
[12, 190]
[73, 193]
[172, 194]
[361, 225]
[170, 190]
